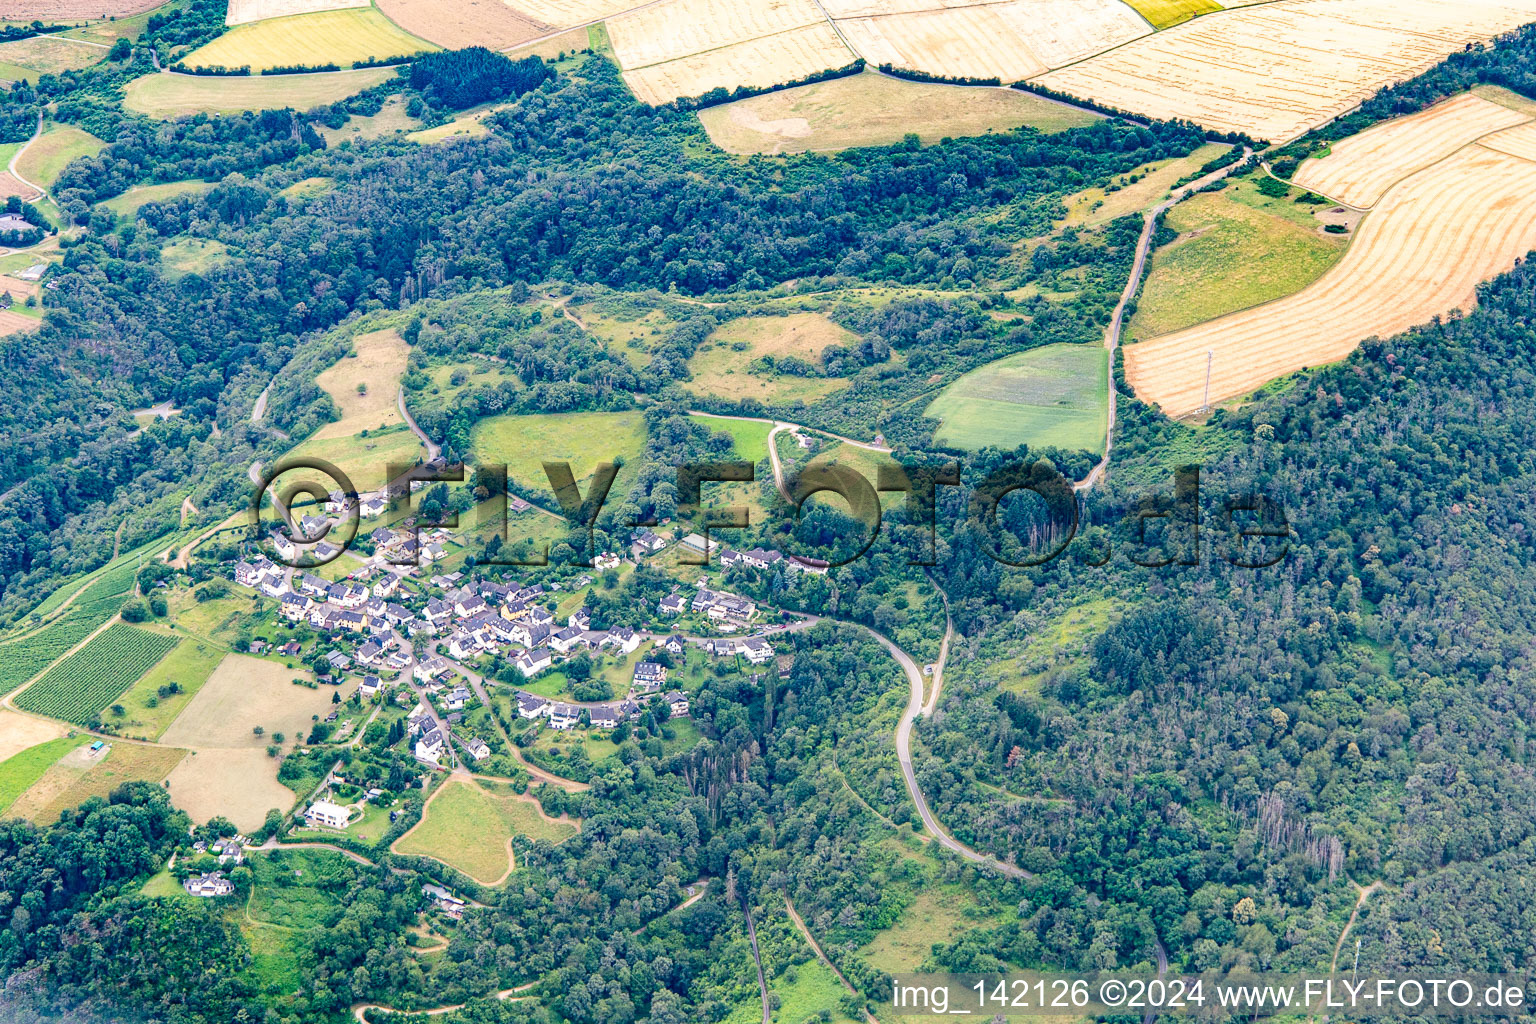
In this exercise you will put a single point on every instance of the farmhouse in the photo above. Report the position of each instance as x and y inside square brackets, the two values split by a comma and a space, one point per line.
[445, 901]
[323, 812]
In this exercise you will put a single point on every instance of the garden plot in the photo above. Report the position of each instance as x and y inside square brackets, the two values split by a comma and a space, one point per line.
[1360, 169]
[1276, 70]
[1420, 254]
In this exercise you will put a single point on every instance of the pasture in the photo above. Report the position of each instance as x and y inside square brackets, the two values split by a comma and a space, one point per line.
[1228, 256]
[171, 96]
[489, 23]
[188, 666]
[470, 827]
[242, 12]
[367, 459]
[722, 364]
[128, 204]
[79, 688]
[48, 155]
[79, 775]
[330, 37]
[359, 128]
[872, 109]
[1276, 70]
[584, 439]
[1360, 169]
[1421, 253]
[243, 693]
[1055, 396]
[375, 364]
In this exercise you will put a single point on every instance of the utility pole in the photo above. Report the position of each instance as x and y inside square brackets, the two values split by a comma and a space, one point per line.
[1205, 405]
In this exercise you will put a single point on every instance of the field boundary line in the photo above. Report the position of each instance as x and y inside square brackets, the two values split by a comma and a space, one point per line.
[557, 33]
[727, 46]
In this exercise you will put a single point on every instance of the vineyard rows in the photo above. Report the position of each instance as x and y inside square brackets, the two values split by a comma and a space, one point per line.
[24, 658]
[78, 688]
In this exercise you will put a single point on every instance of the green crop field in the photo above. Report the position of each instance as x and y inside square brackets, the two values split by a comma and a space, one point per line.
[1168, 13]
[309, 40]
[1056, 396]
[79, 687]
[167, 96]
[1230, 255]
[188, 666]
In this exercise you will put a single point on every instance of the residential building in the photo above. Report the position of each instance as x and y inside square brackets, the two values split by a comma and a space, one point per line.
[530, 705]
[564, 716]
[212, 884]
[677, 700]
[324, 813]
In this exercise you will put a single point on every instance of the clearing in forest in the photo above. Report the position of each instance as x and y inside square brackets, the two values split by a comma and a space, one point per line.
[727, 364]
[1228, 256]
[1360, 169]
[50, 55]
[459, 23]
[170, 96]
[243, 12]
[1055, 396]
[470, 827]
[127, 204]
[1420, 254]
[46, 158]
[392, 117]
[584, 439]
[872, 109]
[375, 366]
[309, 40]
[1277, 70]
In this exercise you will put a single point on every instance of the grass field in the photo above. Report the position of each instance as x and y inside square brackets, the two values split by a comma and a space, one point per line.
[937, 915]
[79, 775]
[872, 109]
[168, 96]
[192, 256]
[465, 126]
[245, 692]
[377, 363]
[584, 439]
[127, 204]
[1168, 13]
[79, 688]
[47, 157]
[470, 829]
[189, 666]
[720, 366]
[1056, 396]
[20, 732]
[1228, 256]
[390, 118]
[1421, 253]
[20, 772]
[50, 54]
[367, 459]
[1100, 206]
[330, 37]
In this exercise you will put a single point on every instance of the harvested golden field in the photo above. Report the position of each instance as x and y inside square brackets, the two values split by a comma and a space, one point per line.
[461, 23]
[377, 367]
[80, 775]
[11, 186]
[570, 13]
[872, 109]
[242, 12]
[1519, 141]
[242, 694]
[18, 732]
[1361, 168]
[240, 785]
[682, 28]
[168, 96]
[1011, 41]
[311, 40]
[770, 60]
[1420, 254]
[72, 10]
[1277, 70]
[15, 323]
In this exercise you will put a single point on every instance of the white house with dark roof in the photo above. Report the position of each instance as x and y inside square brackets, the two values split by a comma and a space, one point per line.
[563, 716]
[534, 661]
[531, 705]
[677, 700]
[212, 884]
[604, 717]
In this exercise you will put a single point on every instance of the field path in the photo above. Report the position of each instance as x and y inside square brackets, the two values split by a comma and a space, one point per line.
[1365, 894]
[794, 915]
[434, 450]
[1138, 270]
[360, 1010]
[778, 427]
[16, 158]
[762, 979]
